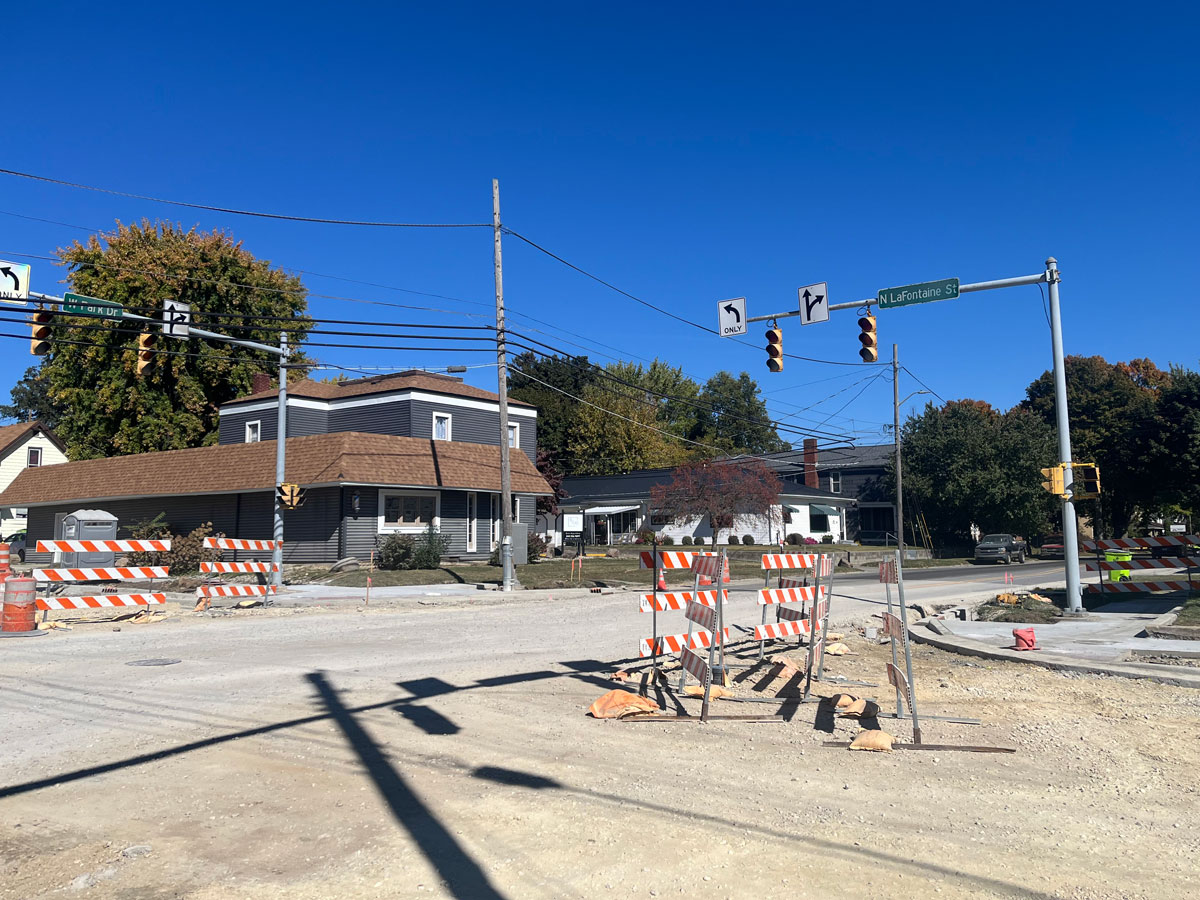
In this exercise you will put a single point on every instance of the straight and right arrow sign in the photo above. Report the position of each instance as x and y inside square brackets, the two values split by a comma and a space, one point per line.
[814, 303]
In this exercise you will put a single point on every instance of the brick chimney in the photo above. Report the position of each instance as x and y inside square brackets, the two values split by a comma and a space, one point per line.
[262, 382]
[810, 462]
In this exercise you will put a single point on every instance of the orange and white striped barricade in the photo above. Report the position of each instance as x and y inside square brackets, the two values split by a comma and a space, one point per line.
[97, 601]
[658, 560]
[108, 573]
[780, 562]
[1135, 587]
[789, 603]
[1165, 541]
[825, 567]
[130, 546]
[713, 566]
[706, 617]
[206, 592]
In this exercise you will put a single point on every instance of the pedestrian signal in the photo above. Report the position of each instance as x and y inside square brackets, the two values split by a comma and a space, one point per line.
[1087, 481]
[1054, 480]
[775, 349]
[869, 339]
[291, 496]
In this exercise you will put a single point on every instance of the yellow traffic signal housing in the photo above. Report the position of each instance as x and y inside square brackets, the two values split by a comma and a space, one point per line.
[290, 496]
[775, 349]
[1054, 480]
[39, 332]
[145, 351]
[1087, 481]
[869, 339]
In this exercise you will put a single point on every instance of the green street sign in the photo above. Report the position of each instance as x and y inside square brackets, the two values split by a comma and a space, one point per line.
[79, 305]
[926, 292]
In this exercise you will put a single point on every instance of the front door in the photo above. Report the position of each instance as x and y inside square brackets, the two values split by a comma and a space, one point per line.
[472, 520]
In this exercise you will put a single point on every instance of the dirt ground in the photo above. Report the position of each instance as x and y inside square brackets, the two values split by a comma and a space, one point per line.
[484, 785]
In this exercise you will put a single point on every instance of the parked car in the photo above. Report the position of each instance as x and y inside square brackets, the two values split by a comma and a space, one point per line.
[16, 545]
[1053, 547]
[1001, 548]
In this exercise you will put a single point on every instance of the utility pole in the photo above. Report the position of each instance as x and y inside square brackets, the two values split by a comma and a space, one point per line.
[502, 389]
[280, 464]
[1070, 529]
[896, 438]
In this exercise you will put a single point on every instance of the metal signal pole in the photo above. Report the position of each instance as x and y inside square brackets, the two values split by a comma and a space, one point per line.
[280, 465]
[502, 390]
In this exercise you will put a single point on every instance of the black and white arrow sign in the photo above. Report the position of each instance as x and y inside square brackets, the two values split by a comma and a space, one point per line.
[14, 282]
[731, 317]
[814, 303]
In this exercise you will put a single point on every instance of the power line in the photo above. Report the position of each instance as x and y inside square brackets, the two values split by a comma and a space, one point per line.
[244, 212]
[923, 384]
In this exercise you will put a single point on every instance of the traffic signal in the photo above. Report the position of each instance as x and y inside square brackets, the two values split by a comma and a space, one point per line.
[290, 496]
[869, 338]
[146, 342]
[1054, 480]
[775, 349]
[1087, 481]
[39, 332]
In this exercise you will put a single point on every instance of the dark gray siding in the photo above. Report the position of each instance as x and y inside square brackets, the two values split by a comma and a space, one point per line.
[376, 418]
[475, 426]
[359, 529]
[301, 423]
[310, 533]
[454, 521]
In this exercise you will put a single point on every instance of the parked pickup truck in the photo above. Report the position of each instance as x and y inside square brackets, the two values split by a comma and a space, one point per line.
[1001, 548]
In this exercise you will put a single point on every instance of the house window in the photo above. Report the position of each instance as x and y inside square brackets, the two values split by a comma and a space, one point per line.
[253, 432]
[441, 427]
[818, 522]
[408, 511]
[660, 520]
[514, 435]
[34, 457]
[835, 482]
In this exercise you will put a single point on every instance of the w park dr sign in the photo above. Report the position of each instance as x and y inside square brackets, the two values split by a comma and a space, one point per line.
[926, 292]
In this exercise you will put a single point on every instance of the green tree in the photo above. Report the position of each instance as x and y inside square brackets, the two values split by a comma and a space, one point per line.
[31, 400]
[735, 417]
[617, 430]
[551, 383]
[967, 464]
[109, 409]
[1174, 457]
[1112, 409]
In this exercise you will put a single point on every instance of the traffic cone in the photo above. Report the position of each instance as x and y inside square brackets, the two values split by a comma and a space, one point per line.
[704, 580]
[662, 581]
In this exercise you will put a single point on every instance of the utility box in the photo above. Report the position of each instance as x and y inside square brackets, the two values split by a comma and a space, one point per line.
[520, 543]
[88, 525]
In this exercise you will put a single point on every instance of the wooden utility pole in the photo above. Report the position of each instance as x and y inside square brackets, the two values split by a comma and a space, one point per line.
[502, 390]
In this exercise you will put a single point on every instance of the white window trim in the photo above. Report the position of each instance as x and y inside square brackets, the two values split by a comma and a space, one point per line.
[29, 463]
[516, 509]
[516, 430]
[835, 482]
[257, 423]
[449, 417]
[383, 528]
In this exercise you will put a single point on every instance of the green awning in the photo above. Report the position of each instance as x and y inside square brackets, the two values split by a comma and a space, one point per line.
[824, 510]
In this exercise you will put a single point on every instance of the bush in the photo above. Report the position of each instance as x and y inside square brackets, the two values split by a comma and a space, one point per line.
[536, 546]
[809, 541]
[644, 536]
[826, 539]
[187, 550]
[733, 539]
[396, 551]
[494, 559]
[687, 540]
[748, 540]
[699, 541]
[667, 541]
[795, 539]
[429, 549]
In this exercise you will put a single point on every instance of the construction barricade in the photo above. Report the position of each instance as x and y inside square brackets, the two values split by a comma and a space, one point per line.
[794, 591]
[1115, 567]
[105, 573]
[206, 592]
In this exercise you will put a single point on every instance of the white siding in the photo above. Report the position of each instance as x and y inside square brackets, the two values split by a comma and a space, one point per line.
[13, 462]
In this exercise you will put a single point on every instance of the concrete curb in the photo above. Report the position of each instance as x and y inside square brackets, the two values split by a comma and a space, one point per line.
[968, 647]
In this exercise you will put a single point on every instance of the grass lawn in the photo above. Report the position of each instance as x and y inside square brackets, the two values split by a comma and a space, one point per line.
[934, 563]
[1190, 614]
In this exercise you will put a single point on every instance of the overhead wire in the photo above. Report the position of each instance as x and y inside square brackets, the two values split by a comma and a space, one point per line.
[243, 212]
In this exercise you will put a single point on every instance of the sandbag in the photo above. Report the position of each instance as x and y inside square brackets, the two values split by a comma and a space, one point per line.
[618, 703]
[860, 709]
[873, 739]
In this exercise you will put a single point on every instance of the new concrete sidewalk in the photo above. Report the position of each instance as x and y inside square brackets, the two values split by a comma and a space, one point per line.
[1107, 641]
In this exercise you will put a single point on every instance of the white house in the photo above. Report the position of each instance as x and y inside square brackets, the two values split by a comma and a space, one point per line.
[22, 446]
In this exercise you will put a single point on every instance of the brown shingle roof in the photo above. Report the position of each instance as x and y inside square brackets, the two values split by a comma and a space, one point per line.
[379, 384]
[10, 434]
[344, 457]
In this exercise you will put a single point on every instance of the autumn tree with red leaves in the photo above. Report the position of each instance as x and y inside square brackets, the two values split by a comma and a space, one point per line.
[717, 491]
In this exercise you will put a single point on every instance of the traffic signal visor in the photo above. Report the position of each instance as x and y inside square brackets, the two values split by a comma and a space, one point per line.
[1054, 480]
[869, 339]
[1087, 481]
[775, 349]
[39, 332]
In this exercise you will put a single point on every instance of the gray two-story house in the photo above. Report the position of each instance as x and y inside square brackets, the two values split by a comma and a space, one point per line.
[375, 456]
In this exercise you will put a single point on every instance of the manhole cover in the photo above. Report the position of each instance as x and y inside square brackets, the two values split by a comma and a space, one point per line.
[153, 662]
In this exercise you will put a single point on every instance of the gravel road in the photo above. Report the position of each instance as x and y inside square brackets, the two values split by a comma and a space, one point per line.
[443, 751]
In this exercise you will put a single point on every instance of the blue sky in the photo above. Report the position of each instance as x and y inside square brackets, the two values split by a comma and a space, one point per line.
[685, 152]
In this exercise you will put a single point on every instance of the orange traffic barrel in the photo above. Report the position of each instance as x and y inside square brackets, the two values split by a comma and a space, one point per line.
[20, 606]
